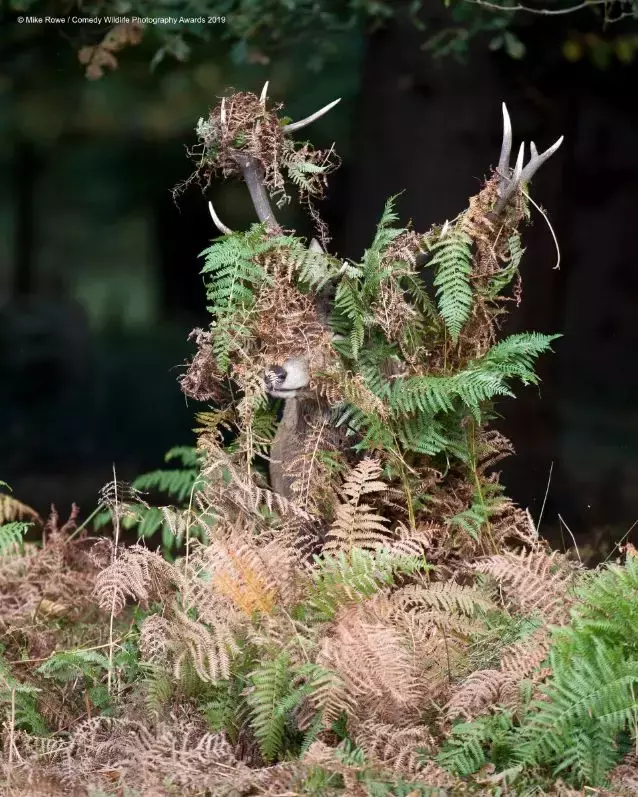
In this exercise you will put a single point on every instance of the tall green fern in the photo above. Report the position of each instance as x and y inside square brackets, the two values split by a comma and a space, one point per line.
[271, 685]
[452, 264]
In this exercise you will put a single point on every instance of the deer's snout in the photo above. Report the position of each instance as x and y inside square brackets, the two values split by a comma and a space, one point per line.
[284, 381]
[274, 377]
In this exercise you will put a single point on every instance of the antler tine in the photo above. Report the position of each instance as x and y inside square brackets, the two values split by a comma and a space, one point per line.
[518, 167]
[508, 184]
[290, 128]
[506, 146]
[264, 94]
[218, 222]
[536, 161]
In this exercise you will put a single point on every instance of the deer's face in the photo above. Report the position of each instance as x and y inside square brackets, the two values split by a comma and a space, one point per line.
[288, 380]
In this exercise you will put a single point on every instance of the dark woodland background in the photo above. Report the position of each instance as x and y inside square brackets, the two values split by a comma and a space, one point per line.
[99, 269]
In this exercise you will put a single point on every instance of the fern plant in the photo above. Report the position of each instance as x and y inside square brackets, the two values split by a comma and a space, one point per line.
[581, 722]
[452, 264]
[179, 485]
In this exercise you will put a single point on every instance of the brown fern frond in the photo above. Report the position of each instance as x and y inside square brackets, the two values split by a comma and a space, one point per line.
[446, 596]
[485, 689]
[12, 509]
[491, 447]
[332, 697]
[354, 390]
[208, 647]
[179, 755]
[319, 754]
[155, 639]
[357, 524]
[119, 495]
[232, 491]
[285, 778]
[213, 423]
[523, 658]
[316, 467]
[624, 776]
[535, 581]
[391, 310]
[203, 380]
[137, 573]
[402, 749]
[481, 691]
[245, 585]
[376, 665]
[55, 579]
[252, 574]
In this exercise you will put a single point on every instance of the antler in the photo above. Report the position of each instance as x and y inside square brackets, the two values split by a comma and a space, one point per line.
[292, 126]
[508, 184]
[253, 171]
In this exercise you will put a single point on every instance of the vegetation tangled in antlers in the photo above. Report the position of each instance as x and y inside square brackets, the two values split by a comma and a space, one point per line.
[383, 621]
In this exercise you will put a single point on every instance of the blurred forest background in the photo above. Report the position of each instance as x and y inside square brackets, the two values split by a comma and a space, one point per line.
[99, 268]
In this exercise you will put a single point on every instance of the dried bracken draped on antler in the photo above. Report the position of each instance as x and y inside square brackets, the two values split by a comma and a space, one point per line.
[242, 137]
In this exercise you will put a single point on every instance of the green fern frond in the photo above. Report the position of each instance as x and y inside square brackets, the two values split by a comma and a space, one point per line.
[422, 434]
[340, 579]
[21, 701]
[177, 484]
[515, 355]
[590, 753]
[595, 693]
[472, 744]
[373, 257]
[189, 456]
[349, 303]
[66, 665]
[157, 686]
[452, 264]
[271, 684]
[471, 520]
[12, 536]
[298, 169]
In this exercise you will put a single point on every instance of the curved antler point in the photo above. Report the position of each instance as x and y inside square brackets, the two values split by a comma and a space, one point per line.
[292, 126]
[217, 221]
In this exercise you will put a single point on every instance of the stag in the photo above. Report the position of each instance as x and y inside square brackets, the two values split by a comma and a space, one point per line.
[291, 380]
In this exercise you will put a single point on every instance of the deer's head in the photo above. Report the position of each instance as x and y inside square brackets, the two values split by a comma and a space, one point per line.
[292, 376]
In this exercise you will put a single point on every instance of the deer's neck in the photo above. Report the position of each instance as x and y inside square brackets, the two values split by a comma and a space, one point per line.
[287, 445]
